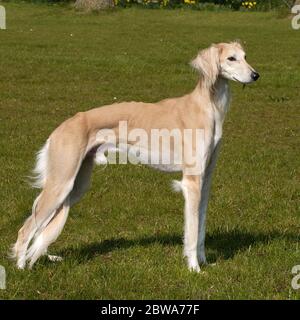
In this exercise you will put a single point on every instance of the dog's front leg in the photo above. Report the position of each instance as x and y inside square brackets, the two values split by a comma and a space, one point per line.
[204, 203]
[191, 191]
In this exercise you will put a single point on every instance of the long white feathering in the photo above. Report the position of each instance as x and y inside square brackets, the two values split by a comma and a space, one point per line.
[40, 170]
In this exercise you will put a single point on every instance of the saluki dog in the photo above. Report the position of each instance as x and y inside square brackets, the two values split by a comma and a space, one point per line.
[64, 164]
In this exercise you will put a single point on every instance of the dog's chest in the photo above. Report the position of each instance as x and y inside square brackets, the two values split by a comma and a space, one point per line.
[221, 104]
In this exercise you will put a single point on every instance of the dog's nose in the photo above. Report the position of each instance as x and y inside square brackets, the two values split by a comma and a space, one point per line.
[254, 75]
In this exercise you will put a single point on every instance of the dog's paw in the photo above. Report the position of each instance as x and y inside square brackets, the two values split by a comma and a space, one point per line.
[21, 265]
[194, 267]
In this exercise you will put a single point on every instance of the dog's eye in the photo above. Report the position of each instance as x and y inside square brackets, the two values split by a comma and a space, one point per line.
[232, 59]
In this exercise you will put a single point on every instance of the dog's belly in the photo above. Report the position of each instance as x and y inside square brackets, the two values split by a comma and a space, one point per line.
[166, 167]
[163, 161]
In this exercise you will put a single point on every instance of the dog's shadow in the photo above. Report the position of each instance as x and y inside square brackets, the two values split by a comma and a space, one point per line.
[218, 244]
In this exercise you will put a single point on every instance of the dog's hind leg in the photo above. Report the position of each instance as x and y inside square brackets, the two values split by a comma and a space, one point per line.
[55, 226]
[82, 181]
[25, 235]
[64, 159]
[47, 204]
[49, 234]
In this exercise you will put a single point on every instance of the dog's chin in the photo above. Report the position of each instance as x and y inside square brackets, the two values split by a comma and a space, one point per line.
[242, 81]
[235, 79]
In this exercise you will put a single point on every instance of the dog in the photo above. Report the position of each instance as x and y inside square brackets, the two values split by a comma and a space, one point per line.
[64, 164]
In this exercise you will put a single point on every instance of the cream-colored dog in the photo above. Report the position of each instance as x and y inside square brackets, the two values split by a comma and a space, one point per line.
[65, 163]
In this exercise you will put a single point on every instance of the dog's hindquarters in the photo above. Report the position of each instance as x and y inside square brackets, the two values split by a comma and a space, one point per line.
[63, 183]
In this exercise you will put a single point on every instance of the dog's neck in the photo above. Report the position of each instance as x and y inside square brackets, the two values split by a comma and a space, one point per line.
[215, 99]
[218, 93]
[221, 95]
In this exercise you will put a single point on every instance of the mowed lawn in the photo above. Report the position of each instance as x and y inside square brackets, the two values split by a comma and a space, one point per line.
[124, 239]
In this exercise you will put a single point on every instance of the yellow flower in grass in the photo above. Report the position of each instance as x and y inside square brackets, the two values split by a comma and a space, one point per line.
[249, 4]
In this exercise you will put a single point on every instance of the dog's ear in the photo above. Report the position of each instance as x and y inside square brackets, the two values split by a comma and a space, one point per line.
[238, 43]
[207, 63]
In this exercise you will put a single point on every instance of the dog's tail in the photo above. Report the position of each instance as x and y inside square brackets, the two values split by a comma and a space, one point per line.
[39, 176]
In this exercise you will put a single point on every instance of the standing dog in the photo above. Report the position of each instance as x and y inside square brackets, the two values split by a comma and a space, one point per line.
[64, 164]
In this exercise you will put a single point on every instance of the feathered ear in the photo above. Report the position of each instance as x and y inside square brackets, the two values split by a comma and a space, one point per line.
[207, 63]
[238, 43]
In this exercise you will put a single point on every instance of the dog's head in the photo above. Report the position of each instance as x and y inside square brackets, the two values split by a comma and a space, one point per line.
[226, 60]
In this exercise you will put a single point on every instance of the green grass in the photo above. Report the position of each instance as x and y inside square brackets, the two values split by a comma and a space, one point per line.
[124, 239]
